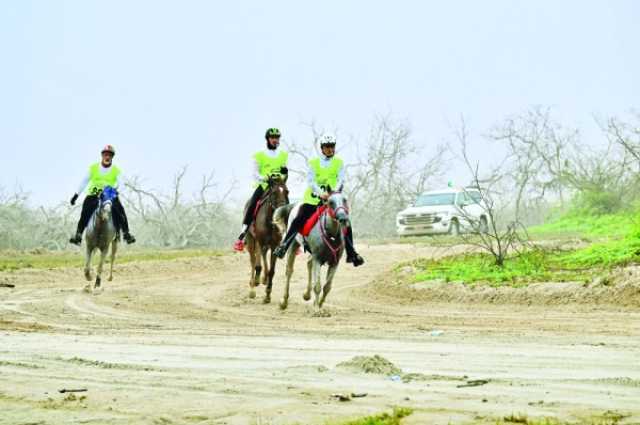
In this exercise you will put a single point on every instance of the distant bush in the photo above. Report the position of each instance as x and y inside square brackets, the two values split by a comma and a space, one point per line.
[172, 223]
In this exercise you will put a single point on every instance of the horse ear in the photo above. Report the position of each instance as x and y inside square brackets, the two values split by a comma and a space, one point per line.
[329, 190]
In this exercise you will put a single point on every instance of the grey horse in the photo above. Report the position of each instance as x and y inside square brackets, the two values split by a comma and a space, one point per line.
[325, 243]
[101, 234]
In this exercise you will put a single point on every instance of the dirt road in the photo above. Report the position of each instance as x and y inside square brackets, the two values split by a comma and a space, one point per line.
[180, 342]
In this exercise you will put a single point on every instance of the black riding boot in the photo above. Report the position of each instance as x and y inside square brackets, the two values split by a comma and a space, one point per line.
[121, 221]
[352, 255]
[304, 213]
[88, 207]
[281, 250]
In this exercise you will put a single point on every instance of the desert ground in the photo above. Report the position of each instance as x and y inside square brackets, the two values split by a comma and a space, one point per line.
[180, 342]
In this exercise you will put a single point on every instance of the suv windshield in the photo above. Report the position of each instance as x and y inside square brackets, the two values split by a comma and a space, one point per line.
[469, 197]
[435, 199]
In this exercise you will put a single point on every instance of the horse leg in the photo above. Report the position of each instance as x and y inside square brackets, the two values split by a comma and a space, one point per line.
[258, 264]
[252, 259]
[327, 286]
[114, 249]
[307, 293]
[87, 262]
[272, 272]
[265, 265]
[103, 255]
[317, 287]
[291, 259]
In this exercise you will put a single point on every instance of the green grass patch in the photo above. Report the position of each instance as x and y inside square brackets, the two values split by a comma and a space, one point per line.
[393, 418]
[578, 224]
[606, 418]
[14, 260]
[536, 265]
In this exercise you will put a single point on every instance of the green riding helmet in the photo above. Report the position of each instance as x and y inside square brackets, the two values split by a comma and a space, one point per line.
[272, 132]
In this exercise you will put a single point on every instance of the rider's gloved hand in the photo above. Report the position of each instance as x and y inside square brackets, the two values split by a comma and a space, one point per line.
[284, 170]
[324, 196]
[74, 198]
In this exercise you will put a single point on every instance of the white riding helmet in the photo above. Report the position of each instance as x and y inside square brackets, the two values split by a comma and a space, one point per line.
[326, 139]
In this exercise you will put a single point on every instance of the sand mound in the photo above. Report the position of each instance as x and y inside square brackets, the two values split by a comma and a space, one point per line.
[371, 364]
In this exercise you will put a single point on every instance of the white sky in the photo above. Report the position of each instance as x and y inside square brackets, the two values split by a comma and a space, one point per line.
[188, 82]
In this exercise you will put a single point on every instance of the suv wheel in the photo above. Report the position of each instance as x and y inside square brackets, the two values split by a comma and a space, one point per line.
[454, 228]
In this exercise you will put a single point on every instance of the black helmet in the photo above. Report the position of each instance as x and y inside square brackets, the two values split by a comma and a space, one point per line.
[272, 132]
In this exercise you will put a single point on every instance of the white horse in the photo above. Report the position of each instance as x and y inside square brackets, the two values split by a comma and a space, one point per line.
[325, 242]
[101, 234]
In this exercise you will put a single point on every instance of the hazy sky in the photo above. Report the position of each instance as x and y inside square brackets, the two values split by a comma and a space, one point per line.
[198, 82]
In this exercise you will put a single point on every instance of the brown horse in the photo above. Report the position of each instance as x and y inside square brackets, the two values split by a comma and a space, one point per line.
[264, 236]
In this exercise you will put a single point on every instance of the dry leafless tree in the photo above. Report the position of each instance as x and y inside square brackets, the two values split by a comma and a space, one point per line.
[170, 220]
[493, 232]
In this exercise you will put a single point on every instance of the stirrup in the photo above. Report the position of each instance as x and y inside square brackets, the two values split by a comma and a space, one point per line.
[281, 251]
[356, 259]
[76, 239]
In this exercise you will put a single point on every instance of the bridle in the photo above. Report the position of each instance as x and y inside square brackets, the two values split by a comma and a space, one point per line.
[326, 239]
[270, 198]
[99, 220]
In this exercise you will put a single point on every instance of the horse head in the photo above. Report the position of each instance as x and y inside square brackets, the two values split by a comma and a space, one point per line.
[337, 203]
[279, 193]
[106, 203]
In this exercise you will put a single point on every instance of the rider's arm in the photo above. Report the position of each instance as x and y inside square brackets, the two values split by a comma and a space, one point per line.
[117, 186]
[83, 184]
[256, 172]
[311, 181]
[340, 179]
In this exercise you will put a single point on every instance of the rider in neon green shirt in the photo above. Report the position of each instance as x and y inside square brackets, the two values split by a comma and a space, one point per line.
[325, 173]
[100, 175]
[269, 162]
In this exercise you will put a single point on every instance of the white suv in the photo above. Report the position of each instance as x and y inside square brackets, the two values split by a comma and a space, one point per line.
[450, 211]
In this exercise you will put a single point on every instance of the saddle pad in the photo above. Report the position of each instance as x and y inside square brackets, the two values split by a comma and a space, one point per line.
[306, 229]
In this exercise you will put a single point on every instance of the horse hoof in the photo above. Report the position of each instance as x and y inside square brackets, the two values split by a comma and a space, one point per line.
[306, 296]
[110, 278]
[266, 300]
[87, 275]
[321, 313]
[283, 305]
[87, 288]
[252, 294]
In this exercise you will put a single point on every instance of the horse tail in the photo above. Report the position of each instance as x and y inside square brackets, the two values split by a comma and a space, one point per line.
[281, 216]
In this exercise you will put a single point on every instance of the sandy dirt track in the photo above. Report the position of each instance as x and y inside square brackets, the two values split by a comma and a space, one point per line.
[180, 342]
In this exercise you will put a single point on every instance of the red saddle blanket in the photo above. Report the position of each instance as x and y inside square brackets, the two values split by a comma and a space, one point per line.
[306, 229]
